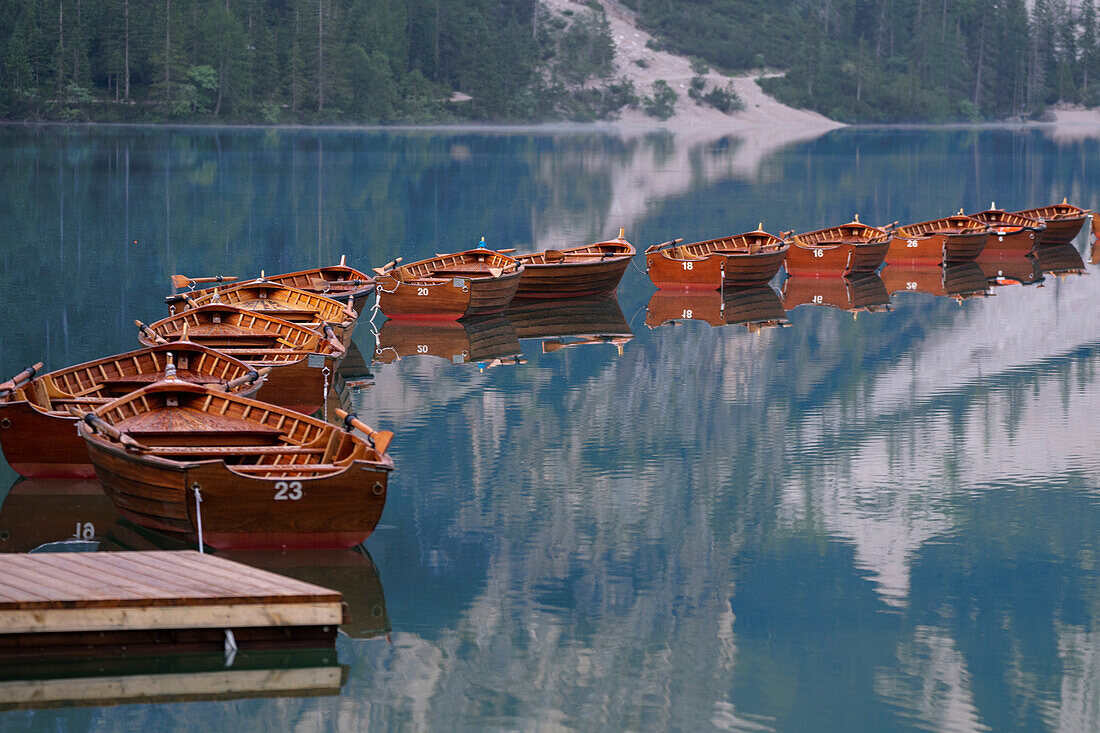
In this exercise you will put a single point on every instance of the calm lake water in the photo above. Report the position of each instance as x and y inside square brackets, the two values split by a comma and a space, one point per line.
[870, 519]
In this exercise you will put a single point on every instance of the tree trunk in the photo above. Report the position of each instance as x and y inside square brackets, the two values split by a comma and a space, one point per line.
[126, 15]
[320, 57]
[167, 45]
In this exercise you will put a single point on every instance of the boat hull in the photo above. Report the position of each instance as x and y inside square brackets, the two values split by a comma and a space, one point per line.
[571, 279]
[243, 512]
[715, 270]
[1022, 240]
[299, 385]
[453, 299]
[839, 259]
[38, 444]
[935, 249]
[1061, 231]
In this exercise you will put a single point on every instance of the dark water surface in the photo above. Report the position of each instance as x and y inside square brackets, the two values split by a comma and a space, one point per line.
[866, 520]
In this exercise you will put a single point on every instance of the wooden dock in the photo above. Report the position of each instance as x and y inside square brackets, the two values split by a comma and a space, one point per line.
[65, 603]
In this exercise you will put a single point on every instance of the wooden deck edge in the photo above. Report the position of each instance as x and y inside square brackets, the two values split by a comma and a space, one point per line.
[19, 694]
[171, 617]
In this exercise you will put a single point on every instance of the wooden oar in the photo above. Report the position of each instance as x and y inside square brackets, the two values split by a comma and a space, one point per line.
[506, 251]
[150, 333]
[662, 245]
[100, 425]
[20, 379]
[179, 281]
[380, 439]
[252, 376]
[385, 268]
[337, 344]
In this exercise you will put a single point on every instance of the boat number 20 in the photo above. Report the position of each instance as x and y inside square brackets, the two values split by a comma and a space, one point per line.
[421, 291]
[288, 490]
[687, 265]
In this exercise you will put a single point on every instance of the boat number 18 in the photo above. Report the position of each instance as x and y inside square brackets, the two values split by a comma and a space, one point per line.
[421, 291]
[288, 490]
[686, 313]
[687, 265]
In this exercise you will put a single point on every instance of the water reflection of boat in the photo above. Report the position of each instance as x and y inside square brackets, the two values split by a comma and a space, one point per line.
[858, 293]
[849, 249]
[1063, 221]
[756, 308]
[743, 260]
[575, 272]
[960, 282]
[567, 323]
[1060, 259]
[37, 433]
[37, 512]
[351, 571]
[490, 339]
[69, 678]
[950, 240]
[1003, 267]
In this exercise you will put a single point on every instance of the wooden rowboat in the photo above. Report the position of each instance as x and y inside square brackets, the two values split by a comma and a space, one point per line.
[856, 294]
[189, 459]
[282, 301]
[958, 282]
[1063, 221]
[37, 433]
[950, 240]
[298, 356]
[848, 249]
[474, 340]
[335, 281]
[575, 272]
[477, 282]
[748, 259]
[756, 308]
[1010, 232]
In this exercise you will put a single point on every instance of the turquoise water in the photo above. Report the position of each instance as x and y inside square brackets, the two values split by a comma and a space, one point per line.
[867, 519]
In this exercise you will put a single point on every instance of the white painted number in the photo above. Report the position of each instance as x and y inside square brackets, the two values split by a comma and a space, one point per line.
[818, 299]
[910, 286]
[910, 243]
[84, 531]
[686, 314]
[687, 265]
[421, 291]
[819, 253]
[284, 490]
[422, 348]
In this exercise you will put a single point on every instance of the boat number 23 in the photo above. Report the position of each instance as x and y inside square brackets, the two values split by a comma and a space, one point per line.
[291, 490]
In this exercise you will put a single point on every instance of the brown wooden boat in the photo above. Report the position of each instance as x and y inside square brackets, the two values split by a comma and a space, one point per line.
[848, 249]
[44, 511]
[477, 282]
[1010, 232]
[298, 356]
[1006, 267]
[575, 272]
[1060, 260]
[748, 259]
[1063, 221]
[241, 473]
[570, 323]
[338, 282]
[959, 282]
[37, 433]
[949, 240]
[285, 302]
[474, 340]
[756, 308]
[855, 294]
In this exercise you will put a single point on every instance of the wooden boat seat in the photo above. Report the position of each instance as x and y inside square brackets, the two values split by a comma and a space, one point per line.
[234, 450]
[289, 470]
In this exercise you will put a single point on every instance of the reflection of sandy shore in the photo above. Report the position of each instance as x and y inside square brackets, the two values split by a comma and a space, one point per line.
[1071, 125]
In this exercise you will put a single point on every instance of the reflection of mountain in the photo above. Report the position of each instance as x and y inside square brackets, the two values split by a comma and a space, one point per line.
[39, 511]
[755, 308]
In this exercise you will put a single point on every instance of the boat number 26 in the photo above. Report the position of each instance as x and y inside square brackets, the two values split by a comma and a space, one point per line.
[910, 243]
[288, 490]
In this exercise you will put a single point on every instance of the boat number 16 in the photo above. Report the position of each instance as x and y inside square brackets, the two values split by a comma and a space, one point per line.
[288, 490]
